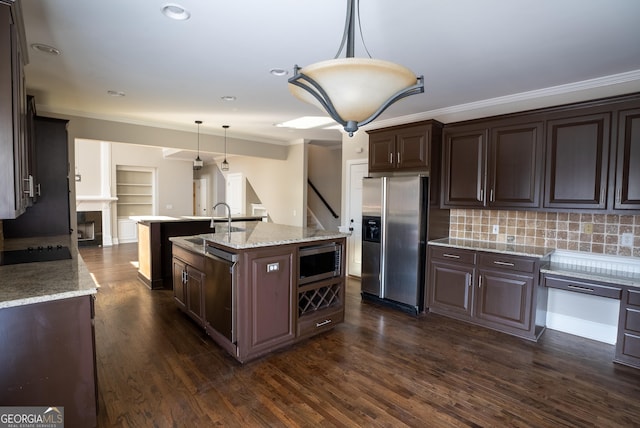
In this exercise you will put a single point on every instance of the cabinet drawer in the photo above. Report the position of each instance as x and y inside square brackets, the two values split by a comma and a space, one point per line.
[193, 259]
[453, 254]
[632, 320]
[633, 298]
[586, 287]
[310, 325]
[631, 346]
[502, 262]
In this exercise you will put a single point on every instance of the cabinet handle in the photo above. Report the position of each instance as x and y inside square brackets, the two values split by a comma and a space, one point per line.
[577, 287]
[451, 256]
[29, 190]
[325, 322]
[480, 281]
[602, 193]
[491, 196]
[619, 195]
[398, 157]
[390, 157]
[39, 190]
[481, 195]
[468, 280]
[497, 262]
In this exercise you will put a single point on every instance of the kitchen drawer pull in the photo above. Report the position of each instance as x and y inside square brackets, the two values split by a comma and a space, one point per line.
[577, 287]
[323, 323]
[451, 256]
[497, 262]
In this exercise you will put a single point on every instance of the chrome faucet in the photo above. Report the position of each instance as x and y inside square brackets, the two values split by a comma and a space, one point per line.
[213, 210]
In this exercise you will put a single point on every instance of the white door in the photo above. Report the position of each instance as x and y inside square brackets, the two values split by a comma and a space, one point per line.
[235, 193]
[356, 170]
[201, 203]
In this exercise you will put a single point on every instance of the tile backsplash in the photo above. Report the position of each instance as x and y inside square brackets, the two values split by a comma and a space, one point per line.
[594, 233]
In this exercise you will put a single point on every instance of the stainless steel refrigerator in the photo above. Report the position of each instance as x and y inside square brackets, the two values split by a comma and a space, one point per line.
[395, 211]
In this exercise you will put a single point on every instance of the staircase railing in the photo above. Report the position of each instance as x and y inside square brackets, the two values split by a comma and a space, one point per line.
[324, 201]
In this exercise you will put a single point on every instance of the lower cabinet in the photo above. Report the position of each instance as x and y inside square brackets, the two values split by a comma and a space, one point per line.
[490, 289]
[320, 306]
[188, 282]
[628, 343]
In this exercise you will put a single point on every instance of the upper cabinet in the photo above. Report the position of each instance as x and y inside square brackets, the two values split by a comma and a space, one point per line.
[403, 148]
[577, 160]
[493, 165]
[16, 179]
[584, 156]
[627, 188]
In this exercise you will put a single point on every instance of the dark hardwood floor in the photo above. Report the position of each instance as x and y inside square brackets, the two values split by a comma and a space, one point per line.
[156, 368]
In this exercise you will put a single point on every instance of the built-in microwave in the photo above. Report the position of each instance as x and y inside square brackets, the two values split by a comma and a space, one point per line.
[317, 262]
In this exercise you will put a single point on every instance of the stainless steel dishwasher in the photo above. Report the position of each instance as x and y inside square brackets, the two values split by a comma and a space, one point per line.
[220, 294]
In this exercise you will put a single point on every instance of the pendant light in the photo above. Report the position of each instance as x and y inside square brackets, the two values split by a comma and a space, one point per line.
[353, 91]
[225, 165]
[197, 162]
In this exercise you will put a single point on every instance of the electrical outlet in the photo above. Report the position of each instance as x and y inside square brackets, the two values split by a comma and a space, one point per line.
[511, 238]
[626, 240]
[496, 229]
[587, 228]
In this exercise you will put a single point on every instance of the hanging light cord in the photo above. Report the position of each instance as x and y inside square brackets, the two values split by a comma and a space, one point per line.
[345, 34]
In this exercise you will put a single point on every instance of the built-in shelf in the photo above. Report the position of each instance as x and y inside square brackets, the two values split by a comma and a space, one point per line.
[135, 191]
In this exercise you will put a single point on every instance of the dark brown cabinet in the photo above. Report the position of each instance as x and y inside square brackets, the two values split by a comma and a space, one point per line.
[189, 280]
[495, 165]
[16, 179]
[451, 276]
[50, 216]
[627, 188]
[406, 148]
[628, 343]
[577, 161]
[489, 289]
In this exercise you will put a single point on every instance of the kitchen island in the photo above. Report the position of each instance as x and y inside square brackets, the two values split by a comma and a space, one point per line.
[260, 286]
[46, 330]
[154, 247]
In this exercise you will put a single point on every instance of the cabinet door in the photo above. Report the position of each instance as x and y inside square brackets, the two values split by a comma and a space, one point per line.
[504, 299]
[179, 269]
[382, 147]
[413, 148]
[515, 166]
[628, 166]
[193, 292]
[577, 159]
[271, 311]
[464, 168]
[450, 289]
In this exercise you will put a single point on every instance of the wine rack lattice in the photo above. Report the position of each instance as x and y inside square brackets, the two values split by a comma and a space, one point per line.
[319, 298]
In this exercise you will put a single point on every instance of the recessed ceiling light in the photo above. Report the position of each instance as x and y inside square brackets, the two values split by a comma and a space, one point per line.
[175, 11]
[116, 93]
[305, 122]
[45, 49]
[228, 98]
[278, 72]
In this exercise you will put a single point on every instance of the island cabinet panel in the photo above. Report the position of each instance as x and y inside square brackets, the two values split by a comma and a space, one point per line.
[489, 289]
[189, 279]
[577, 162]
[628, 343]
[404, 147]
[627, 192]
[267, 306]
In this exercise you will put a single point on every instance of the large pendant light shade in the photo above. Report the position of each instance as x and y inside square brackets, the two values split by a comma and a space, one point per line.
[353, 91]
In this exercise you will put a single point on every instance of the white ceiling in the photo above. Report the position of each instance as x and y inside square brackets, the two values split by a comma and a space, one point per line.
[472, 54]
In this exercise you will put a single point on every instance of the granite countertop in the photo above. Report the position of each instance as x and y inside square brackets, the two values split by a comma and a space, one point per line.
[165, 219]
[494, 247]
[27, 283]
[246, 235]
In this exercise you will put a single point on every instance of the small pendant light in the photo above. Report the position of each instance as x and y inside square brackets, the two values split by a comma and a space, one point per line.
[225, 165]
[197, 163]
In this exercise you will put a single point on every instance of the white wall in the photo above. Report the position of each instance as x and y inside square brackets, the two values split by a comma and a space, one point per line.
[280, 184]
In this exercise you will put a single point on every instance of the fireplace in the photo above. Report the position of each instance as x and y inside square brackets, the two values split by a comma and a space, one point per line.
[89, 228]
